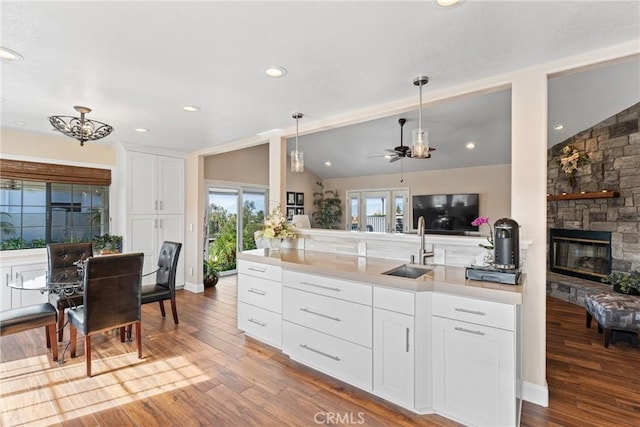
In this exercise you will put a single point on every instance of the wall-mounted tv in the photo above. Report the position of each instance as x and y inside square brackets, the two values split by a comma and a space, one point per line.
[446, 213]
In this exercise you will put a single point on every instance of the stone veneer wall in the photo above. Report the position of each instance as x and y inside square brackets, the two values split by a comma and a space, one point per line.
[613, 146]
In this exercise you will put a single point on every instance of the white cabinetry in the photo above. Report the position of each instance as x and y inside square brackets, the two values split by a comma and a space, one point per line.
[327, 325]
[30, 276]
[260, 301]
[474, 361]
[154, 206]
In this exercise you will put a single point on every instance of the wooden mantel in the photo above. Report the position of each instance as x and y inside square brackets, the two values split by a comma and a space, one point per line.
[584, 195]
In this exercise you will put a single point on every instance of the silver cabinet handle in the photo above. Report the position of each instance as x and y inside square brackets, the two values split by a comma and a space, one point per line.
[326, 316]
[469, 331]
[407, 340]
[322, 353]
[155, 223]
[160, 222]
[155, 205]
[160, 204]
[257, 322]
[260, 270]
[466, 310]
[321, 286]
[257, 291]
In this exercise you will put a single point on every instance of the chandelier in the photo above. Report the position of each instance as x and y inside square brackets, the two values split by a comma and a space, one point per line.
[297, 157]
[420, 136]
[81, 128]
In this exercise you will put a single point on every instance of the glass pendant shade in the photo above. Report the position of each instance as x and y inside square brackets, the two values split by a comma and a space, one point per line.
[420, 143]
[297, 157]
[297, 161]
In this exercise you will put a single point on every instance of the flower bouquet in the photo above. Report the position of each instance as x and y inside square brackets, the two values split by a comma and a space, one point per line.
[571, 160]
[276, 228]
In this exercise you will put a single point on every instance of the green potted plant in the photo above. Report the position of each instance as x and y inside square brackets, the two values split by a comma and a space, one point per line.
[107, 244]
[625, 283]
[210, 273]
[329, 207]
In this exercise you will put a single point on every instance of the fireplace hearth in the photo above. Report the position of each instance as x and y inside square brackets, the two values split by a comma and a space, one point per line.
[580, 253]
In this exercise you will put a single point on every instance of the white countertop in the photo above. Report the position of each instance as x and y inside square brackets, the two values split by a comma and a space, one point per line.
[446, 279]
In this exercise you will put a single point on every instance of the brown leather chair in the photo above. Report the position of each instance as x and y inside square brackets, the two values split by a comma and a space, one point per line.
[21, 319]
[61, 258]
[111, 300]
[165, 286]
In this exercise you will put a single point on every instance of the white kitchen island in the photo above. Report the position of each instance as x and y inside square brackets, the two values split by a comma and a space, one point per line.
[436, 344]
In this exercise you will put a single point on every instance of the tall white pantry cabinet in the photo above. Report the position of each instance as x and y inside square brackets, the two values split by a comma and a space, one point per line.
[151, 205]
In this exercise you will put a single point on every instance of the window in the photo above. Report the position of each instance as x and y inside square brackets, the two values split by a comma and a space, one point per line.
[35, 213]
[44, 203]
[380, 211]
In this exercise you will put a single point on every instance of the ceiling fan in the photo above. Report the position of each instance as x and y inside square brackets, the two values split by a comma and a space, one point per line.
[402, 150]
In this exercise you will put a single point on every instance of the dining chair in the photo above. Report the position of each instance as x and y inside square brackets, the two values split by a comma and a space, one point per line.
[61, 258]
[165, 286]
[111, 299]
[21, 319]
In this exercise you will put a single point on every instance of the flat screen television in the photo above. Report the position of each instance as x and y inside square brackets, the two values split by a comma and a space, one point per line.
[446, 213]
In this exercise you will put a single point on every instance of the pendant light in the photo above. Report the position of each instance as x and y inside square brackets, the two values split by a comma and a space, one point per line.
[420, 136]
[297, 158]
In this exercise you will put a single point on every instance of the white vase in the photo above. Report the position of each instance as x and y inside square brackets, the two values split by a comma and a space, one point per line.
[275, 243]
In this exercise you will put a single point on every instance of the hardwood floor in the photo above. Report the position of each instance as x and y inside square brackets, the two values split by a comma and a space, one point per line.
[206, 372]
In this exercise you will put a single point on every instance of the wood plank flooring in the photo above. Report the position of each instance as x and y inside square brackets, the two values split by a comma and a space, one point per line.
[205, 372]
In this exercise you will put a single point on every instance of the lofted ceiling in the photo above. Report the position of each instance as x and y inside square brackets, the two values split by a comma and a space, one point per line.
[137, 63]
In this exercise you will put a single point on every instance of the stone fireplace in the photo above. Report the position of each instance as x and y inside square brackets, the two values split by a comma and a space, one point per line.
[579, 253]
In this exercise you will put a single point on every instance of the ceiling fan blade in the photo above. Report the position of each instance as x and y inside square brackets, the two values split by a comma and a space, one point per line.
[394, 159]
[391, 151]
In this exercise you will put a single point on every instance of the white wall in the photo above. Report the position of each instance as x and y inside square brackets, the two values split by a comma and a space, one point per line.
[493, 183]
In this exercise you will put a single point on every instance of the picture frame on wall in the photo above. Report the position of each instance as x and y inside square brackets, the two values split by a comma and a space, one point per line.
[299, 211]
[291, 211]
[299, 199]
[291, 198]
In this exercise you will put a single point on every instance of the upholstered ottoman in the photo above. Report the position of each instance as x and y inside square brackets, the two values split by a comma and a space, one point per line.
[613, 311]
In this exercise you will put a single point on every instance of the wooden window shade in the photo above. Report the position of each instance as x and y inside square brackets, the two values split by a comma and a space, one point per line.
[32, 171]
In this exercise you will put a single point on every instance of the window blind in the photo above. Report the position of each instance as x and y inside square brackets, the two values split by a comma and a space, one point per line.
[47, 172]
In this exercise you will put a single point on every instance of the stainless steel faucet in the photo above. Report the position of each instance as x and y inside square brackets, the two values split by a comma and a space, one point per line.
[422, 254]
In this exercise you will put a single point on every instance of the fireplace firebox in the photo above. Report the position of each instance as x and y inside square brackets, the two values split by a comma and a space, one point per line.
[580, 253]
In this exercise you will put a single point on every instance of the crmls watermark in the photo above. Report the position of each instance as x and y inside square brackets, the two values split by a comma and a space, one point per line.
[339, 418]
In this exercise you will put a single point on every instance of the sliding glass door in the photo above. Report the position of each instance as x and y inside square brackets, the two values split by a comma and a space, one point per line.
[233, 215]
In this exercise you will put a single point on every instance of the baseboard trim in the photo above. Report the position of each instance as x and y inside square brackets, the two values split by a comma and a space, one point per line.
[535, 393]
[194, 287]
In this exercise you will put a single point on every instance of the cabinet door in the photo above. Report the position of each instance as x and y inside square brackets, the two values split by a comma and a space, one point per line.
[170, 185]
[143, 232]
[5, 274]
[142, 183]
[171, 228]
[474, 373]
[393, 356]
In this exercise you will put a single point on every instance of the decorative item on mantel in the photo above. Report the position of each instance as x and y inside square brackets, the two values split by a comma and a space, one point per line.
[571, 160]
[276, 229]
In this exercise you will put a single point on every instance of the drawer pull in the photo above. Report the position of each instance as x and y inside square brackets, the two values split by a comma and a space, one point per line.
[257, 291]
[469, 331]
[466, 310]
[407, 340]
[321, 286]
[260, 270]
[322, 353]
[326, 316]
[257, 322]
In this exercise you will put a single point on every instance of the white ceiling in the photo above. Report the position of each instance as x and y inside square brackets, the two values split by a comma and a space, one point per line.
[136, 64]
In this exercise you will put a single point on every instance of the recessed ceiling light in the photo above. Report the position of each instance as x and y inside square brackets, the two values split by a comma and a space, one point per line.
[9, 54]
[191, 108]
[447, 2]
[470, 145]
[327, 163]
[387, 156]
[142, 130]
[275, 71]
[20, 123]
[559, 127]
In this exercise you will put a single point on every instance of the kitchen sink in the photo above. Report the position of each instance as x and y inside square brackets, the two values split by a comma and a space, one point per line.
[408, 271]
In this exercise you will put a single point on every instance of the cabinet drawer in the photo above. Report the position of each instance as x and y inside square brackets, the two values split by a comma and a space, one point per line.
[256, 269]
[494, 314]
[341, 359]
[260, 292]
[391, 299]
[342, 289]
[342, 319]
[261, 324]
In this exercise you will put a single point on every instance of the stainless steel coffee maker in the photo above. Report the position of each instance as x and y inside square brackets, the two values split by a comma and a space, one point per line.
[507, 244]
